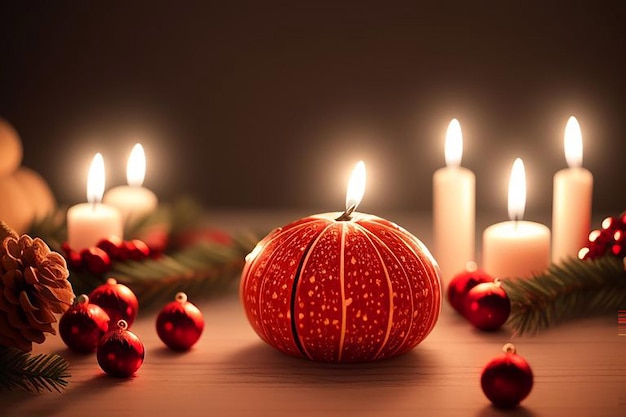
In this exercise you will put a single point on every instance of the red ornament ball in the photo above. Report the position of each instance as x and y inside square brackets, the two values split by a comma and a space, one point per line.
[341, 288]
[180, 323]
[82, 326]
[487, 306]
[507, 379]
[120, 352]
[117, 300]
[463, 282]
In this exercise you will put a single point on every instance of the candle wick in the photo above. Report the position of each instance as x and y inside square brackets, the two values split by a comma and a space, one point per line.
[346, 214]
[516, 220]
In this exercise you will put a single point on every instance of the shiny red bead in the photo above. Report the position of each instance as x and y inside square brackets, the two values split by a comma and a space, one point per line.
[83, 325]
[507, 379]
[180, 324]
[117, 300]
[120, 353]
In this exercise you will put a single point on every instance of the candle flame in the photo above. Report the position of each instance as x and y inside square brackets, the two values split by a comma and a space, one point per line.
[573, 143]
[356, 187]
[517, 190]
[95, 180]
[454, 144]
[136, 168]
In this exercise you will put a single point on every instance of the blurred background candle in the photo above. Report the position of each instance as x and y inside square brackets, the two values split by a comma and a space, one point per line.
[88, 223]
[454, 208]
[571, 203]
[516, 248]
[133, 200]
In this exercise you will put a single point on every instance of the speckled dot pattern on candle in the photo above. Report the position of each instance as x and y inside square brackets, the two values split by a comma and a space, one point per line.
[341, 291]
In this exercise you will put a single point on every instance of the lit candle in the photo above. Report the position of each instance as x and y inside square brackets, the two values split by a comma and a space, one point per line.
[516, 248]
[88, 223]
[454, 208]
[132, 200]
[341, 287]
[571, 205]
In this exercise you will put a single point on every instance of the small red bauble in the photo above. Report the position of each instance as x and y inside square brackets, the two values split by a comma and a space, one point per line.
[462, 283]
[120, 352]
[117, 300]
[82, 326]
[507, 379]
[487, 306]
[180, 323]
[341, 288]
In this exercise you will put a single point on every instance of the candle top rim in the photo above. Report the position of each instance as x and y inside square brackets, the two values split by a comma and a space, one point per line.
[514, 229]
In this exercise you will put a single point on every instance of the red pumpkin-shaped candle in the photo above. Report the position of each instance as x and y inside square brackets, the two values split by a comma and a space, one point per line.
[341, 287]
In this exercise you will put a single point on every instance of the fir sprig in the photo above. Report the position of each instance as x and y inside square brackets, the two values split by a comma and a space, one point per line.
[35, 373]
[574, 288]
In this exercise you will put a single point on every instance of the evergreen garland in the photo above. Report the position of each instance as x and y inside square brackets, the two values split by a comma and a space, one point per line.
[574, 288]
[200, 267]
[35, 373]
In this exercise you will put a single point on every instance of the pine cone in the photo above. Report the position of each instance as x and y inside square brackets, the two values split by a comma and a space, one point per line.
[33, 285]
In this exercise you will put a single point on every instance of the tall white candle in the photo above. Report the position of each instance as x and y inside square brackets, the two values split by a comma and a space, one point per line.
[571, 204]
[88, 223]
[133, 200]
[454, 209]
[516, 248]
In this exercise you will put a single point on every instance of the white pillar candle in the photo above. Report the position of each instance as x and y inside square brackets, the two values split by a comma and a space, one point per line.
[90, 222]
[516, 248]
[571, 204]
[454, 209]
[132, 200]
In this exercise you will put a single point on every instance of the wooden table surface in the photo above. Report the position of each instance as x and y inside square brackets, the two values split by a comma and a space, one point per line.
[579, 367]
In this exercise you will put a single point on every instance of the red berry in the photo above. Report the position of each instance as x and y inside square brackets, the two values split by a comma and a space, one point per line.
[136, 249]
[95, 260]
[113, 246]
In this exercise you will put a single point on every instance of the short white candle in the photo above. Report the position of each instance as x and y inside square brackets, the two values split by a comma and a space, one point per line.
[132, 200]
[90, 222]
[454, 209]
[571, 204]
[516, 248]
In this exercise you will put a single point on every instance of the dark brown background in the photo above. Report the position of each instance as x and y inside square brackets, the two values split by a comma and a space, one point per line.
[269, 105]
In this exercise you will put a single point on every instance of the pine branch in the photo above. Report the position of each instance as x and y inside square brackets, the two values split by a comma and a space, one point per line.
[35, 373]
[572, 289]
[199, 270]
